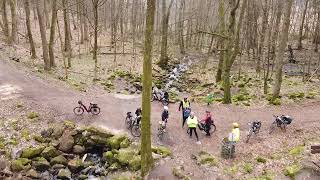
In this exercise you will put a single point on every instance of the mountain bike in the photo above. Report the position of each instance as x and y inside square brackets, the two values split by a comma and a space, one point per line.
[93, 109]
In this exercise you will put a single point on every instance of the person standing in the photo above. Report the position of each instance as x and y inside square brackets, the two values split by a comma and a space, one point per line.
[184, 105]
[192, 123]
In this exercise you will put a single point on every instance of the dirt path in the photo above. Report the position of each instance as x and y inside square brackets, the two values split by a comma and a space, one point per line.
[57, 97]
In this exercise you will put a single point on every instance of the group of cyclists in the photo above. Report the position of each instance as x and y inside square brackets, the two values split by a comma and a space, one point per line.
[189, 118]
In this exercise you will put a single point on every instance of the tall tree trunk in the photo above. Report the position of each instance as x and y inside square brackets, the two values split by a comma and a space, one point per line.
[43, 36]
[180, 24]
[14, 21]
[95, 48]
[282, 48]
[46, 13]
[232, 47]
[302, 25]
[262, 36]
[221, 41]
[52, 32]
[146, 152]
[164, 42]
[27, 11]
[5, 21]
[67, 32]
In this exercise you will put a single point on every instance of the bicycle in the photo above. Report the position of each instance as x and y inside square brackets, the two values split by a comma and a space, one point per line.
[133, 125]
[281, 122]
[203, 127]
[161, 130]
[93, 109]
[254, 127]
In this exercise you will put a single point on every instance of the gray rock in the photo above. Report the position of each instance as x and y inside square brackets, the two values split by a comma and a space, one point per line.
[66, 142]
[77, 149]
[33, 174]
[64, 174]
[41, 164]
[58, 166]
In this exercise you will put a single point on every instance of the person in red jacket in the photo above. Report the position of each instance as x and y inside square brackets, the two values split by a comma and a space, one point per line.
[207, 120]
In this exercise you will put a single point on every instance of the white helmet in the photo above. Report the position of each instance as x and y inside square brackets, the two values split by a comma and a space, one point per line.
[165, 108]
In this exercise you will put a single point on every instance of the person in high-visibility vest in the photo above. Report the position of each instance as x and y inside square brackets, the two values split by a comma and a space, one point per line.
[192, 123]
[184, 104]
[235, 133]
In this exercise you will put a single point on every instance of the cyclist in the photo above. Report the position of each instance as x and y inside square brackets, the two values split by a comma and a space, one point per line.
[234, 136]
[192, 122]
[138, 115]
[184, 104]
[207, 121]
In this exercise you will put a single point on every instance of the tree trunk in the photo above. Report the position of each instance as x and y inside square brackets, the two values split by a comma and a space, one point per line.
[164, 42]
[14, 21]
[282, 48]
[232, 47]
[52, 32]
[27, 11]
[67, 33]
[95, 48]
[5, 21]
[146, 152]
[221, 41]
[46, 13]
[302, 24]
[262, 37]
[180, 24]
[43, 36]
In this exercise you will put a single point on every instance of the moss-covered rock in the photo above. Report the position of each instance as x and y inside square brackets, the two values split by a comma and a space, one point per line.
[75, 165]
[275, 102]
[41, 164]
[69, 124]
[66, 142]
[57, 131]
[125, 156]
[50, 152]
[125, 143]
[115, 141]
[114, 166]
[248, 168]
[77, 149]
[64, 174]
[33, 174]
[109, 157]
[59, 160]
[97, 131]
[135, 163]
[20, 164]
[164, 151]
[32, 152]
[296, 150]
[99, 140]
[179, 173]
[292, 170]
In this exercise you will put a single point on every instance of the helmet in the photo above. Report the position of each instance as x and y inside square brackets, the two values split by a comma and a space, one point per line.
[235, 125]
[185, 97]
[165, 108]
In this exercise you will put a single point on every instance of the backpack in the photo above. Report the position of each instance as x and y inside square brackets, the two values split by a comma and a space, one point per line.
[287, 119]
[186, 113]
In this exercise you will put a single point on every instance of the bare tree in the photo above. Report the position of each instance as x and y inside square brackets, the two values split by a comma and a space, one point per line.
[52, 32]
[28, 24]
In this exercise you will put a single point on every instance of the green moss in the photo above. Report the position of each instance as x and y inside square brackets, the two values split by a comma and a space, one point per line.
[292, 170]
[162, 151]
[261, 159]
[296, 150]
[298, 95]
[69, 124]
[32, 115]
[206, 159]
[32, 152]
[311, 95]
[248, 168]
[25, 134]
[233, 170]
[19, 104]
[13, 141]
[275, 102]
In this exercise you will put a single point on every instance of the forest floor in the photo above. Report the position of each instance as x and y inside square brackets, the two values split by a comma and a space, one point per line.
[264, 157]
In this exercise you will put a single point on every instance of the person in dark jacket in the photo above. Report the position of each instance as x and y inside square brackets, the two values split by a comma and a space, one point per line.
[184, 104]
[138, 115]
[165, 114]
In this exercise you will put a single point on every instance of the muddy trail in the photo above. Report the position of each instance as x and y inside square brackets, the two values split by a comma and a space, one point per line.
[58, 98]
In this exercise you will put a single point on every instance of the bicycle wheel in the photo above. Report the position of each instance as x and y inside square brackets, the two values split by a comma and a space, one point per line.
[128, 122]
[136, 131]
[249, 136]
[95, 110]
[272, 127]
[212, 128]
[78, 111]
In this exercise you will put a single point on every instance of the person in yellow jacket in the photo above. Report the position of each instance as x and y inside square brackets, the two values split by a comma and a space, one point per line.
[192, 123]
[234, 136]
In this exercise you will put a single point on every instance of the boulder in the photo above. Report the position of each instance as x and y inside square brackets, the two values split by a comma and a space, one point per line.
[59, 160]
[57, 131]
[33, 174]
[17, 165]
[47, 132]
[3, 164]
[77, 149]
[64, 174]
[58, 166]
[97, 131]
[163, 151]
[113, 167]
[50, 152]
[99, 140]
[75, 165]
[32, 152]
[135, 163]
[66, 142]
[41, 164]
[115, 141]
[41, 139]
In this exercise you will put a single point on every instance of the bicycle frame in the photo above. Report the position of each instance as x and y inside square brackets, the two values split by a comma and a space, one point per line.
[84, 107]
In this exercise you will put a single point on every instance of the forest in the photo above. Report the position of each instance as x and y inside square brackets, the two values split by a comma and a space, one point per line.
[99, 89]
